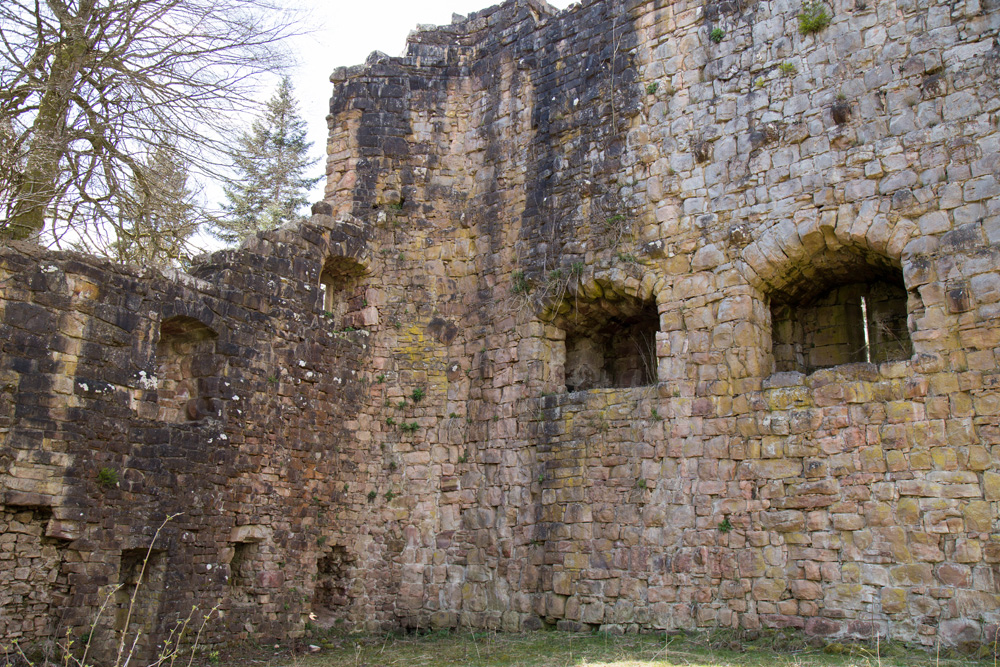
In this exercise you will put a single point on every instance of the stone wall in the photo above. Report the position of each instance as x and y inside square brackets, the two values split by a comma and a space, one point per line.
[197, 419]
[564, 351]
[533, 178]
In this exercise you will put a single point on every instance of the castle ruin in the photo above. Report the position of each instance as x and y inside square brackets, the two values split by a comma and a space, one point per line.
[637, 315]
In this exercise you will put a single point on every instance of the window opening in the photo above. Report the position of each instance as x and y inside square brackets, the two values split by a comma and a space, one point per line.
[611, 344]
[827, 317]
[141, 577]
[332, 593]
[184, 356]
[864, 318]
[342, 292]
[242, 572]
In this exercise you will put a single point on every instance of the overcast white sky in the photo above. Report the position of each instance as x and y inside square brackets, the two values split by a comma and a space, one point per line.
[344, 33]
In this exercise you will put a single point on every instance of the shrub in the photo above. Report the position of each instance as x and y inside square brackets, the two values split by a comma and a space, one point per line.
[813, 18]
[107, 477]
[521, 284]
[717, 35]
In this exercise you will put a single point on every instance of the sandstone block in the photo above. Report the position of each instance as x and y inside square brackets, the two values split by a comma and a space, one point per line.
[769, 589]
[991, 485]
[785, 521]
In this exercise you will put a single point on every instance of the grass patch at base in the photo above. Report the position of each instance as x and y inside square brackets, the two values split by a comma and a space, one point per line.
[464, 648]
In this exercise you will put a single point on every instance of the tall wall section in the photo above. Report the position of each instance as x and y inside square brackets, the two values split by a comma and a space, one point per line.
[687, 318]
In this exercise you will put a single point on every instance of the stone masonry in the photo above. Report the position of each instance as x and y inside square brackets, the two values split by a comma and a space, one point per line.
[639, 315]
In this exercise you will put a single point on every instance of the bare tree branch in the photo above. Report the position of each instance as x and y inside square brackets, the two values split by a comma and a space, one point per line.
[91, 91]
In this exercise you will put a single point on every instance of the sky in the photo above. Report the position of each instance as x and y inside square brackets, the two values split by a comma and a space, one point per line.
[344, 33]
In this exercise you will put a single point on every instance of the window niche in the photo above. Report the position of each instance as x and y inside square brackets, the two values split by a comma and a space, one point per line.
[242, 571]
[185, 356]
[141, 581]
[343, 292]
[843, 309]
[611, 343]
[333, 582]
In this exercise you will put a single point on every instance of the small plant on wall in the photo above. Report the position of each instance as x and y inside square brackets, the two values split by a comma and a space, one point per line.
[717, 35]
[521, 284]
[107, 478]
[813, 18]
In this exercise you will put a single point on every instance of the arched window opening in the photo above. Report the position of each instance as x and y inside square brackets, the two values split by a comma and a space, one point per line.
[611, 343]
[343, 292]
[185, 357]
[842, 308]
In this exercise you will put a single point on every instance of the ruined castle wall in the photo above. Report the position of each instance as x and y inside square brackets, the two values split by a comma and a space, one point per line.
[243, 456]
[532, 178]
[570, 349]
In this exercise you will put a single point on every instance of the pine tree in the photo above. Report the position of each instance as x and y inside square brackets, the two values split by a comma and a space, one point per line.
[158, 219]
[271, 160]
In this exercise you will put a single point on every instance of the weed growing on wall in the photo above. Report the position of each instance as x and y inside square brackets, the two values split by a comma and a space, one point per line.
[813, 18]
[107, 478]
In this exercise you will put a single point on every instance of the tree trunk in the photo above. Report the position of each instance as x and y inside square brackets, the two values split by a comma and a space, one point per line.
[49, 141]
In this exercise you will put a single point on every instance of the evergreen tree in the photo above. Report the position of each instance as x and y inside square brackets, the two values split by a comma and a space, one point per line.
[271, 161]
[160, 215]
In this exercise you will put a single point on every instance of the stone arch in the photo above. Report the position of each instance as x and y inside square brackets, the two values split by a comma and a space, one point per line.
[836, 293]
[607, 324]
[347, 238]
[779, 254]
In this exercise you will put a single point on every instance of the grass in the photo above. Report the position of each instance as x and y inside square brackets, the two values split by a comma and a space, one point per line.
[463, 648]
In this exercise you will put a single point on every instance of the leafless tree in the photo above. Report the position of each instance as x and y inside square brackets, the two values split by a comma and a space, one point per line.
[90, 89]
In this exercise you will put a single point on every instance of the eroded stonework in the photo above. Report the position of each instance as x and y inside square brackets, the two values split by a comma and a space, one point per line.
[636, 315]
